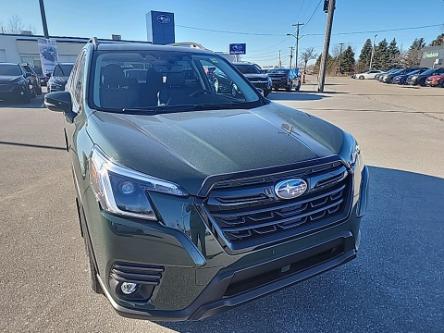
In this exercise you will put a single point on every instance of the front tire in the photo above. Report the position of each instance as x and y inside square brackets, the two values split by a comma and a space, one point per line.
[361, 77]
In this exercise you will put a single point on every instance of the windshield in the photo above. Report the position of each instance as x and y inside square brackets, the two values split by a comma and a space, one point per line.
[279, 71]
[62, 69]
[248, 69]
[10, 70]
[429, 71]
[162, 81]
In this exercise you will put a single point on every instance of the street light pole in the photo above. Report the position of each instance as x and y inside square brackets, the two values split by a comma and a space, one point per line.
[323, 66]
[45, 25]
[297, 25]
[373, 52]
[291, 54]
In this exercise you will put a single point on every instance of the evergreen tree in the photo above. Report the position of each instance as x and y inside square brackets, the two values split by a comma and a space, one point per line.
[364, 57]
[381, 59]
[438, 41]
[347, 61]
[330, 63]
[414, 53]
[394, 53]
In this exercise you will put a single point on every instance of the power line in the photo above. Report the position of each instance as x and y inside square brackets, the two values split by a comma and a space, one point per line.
[382, 30]
[314, 12]
[310, 34]
[229, 32]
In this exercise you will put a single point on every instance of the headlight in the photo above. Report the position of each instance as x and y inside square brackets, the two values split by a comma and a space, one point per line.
[123, 191]
[355, 155]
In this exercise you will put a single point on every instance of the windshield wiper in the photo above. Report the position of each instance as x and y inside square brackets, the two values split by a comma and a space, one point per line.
[149, 110]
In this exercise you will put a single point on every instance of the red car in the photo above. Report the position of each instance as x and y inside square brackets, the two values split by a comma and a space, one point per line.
[435, 81]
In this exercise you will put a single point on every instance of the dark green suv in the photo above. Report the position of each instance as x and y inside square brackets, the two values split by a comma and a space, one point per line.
[196, 195]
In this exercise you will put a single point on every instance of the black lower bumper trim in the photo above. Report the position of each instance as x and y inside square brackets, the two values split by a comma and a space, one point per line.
[215, 298]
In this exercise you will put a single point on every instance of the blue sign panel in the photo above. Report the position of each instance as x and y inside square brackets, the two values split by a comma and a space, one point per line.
[160, 27]
[238, 48]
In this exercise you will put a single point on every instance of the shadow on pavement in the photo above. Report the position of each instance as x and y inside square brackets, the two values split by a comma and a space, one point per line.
[295, 96]
[395, 284]
[31, 145]
[36, 102]
[369, 110]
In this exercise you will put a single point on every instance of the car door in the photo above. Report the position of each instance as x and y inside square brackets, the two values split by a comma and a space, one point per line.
[75, 88]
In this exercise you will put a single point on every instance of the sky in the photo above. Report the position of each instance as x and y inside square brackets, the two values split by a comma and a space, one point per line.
[261, 24]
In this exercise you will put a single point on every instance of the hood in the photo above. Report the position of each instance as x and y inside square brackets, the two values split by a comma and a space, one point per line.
[188, 147]
[263, 77]
[8, 78]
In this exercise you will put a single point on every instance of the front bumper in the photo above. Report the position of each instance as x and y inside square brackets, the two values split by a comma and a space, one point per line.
[223, 292]
[12, 91]
[264, 85]
[199, 278]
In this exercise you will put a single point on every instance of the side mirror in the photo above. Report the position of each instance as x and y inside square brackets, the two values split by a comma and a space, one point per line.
[261, 91]
[59, 101]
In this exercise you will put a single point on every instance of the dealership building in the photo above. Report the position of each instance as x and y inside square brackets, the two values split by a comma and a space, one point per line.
[433, 56]
[22, 48]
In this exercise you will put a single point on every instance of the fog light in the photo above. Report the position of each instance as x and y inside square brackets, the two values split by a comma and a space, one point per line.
[128, 287]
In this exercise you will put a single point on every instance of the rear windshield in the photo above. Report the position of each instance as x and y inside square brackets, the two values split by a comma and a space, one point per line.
[62, 69]
[162, 81]
[10, 70]
[248, 69]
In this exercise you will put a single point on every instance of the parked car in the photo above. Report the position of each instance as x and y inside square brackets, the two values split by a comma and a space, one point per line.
[193, 200]
[436, 80]
[402, 79]
[33, 78]
[421, 78]
[369, 75]
[15, 83]
[380, 77]
[255, 75]
[284, 78]
[59, 76]
[388, 78]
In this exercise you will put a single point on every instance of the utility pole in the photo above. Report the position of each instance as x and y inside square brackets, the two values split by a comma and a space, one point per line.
[280, 62]
[42, 13]
[297, 25]
[323, 66]
[341, 45]
[291, 55]
[373, 52]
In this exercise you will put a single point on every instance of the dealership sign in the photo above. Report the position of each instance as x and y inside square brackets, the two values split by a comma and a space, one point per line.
[238, 48]
[48, 54]
[160, 27]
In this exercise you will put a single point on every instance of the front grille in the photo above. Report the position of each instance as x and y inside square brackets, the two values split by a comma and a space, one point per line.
[247, 213]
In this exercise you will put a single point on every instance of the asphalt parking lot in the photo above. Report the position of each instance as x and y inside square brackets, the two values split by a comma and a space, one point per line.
[395, 285]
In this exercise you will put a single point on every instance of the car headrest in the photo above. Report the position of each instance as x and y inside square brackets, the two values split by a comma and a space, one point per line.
[153, 78]
[175, 79]
[112, 76]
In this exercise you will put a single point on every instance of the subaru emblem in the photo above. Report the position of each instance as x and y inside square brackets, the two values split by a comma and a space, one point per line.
[290, 188]
[163, 19]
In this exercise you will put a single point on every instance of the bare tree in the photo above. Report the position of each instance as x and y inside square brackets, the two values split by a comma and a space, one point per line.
[307, 55]
[14, 26]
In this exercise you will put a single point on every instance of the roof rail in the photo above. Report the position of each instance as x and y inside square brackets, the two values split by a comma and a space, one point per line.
[94, 41]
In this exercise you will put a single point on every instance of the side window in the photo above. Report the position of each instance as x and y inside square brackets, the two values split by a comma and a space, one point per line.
[78, 79]
[220, 82]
